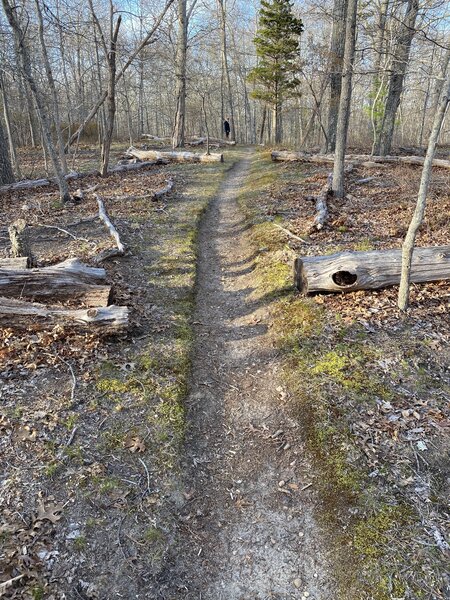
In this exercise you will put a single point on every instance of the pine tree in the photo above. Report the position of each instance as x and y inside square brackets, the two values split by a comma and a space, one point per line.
[277, 44]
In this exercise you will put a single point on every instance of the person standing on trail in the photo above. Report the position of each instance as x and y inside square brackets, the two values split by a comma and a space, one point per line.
[226, 128]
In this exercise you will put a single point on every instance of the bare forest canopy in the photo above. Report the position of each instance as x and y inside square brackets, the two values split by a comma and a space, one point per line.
[71, 46]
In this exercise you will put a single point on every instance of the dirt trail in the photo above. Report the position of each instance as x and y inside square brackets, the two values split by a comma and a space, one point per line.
[245, 534]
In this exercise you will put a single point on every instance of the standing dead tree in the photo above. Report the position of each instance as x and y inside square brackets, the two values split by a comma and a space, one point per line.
[103, 96]
[110, 50]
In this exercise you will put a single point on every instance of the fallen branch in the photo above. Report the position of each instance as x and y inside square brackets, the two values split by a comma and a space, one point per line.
[165, 190]
[321, 204]
[23, 315]
[349, 271]
[112, 230]
[365, 160]
[173, 156]
[81, 239]
[290, 234]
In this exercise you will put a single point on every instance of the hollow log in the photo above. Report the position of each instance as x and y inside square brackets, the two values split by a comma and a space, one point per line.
[25, 315]
[14, 264]
[174, 156]
[70, 279]
[368, 161]
[349, 271]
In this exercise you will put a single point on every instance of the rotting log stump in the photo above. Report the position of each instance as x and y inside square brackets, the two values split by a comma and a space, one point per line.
[174, 156]
[70, 279]
[24, 315]
[349, 271]
[364, 159]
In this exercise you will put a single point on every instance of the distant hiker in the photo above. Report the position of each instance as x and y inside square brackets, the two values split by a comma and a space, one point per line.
[226, 128]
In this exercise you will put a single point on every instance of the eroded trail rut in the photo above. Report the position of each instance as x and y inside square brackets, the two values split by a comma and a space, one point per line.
[247, 524]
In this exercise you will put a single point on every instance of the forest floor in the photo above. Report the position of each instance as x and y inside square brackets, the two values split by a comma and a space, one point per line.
[239, 442]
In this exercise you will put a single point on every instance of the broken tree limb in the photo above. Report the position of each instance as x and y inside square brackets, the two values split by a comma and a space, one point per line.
[349, 271]
[173, 156]
[70, 279]
[366, 160]
[165, 190]
[290, 234]
[321, 204]
[112, 230]
[14, 264]
[22, 315]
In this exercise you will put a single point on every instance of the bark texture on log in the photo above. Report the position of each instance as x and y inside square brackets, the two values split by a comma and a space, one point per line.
[23, 315]
[14, 264]
[174, 156]
[18, 235]
[350, 271]
[70, 279]
[366, 159]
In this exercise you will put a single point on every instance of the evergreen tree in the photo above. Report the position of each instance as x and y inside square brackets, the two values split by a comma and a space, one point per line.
[277, 44]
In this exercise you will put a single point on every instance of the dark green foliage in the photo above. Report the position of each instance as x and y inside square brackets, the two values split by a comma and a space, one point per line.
[277, 46]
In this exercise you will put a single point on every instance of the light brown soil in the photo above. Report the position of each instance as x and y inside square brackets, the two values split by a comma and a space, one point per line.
[247, 521]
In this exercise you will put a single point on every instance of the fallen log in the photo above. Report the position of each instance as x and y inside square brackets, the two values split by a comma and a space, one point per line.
[29, 184]
[321, 204]
[110, 227]
[198, 141]
[367, 160]
[173, 156]
[349, 271]
[23, 315]
[70, 279]
[121, 168]
[14, 264]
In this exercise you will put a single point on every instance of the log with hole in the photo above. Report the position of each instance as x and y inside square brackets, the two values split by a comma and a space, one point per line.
[349, 271]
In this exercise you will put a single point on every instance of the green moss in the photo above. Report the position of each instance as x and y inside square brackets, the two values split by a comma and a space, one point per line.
[153, 535]
[38, 592]
[79, 543]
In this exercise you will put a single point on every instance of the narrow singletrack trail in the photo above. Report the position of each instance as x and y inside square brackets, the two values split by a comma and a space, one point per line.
[247, 514]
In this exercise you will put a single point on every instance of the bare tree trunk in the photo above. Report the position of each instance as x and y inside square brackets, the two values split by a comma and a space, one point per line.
[416, 221]
[226, 69]
[345, 100]
[110, 51]
[12, 148]
[25, 64]
[336, 61]
[51, 85]
[400, 63]
[6, 172]
[180, 115]
[263, 125]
